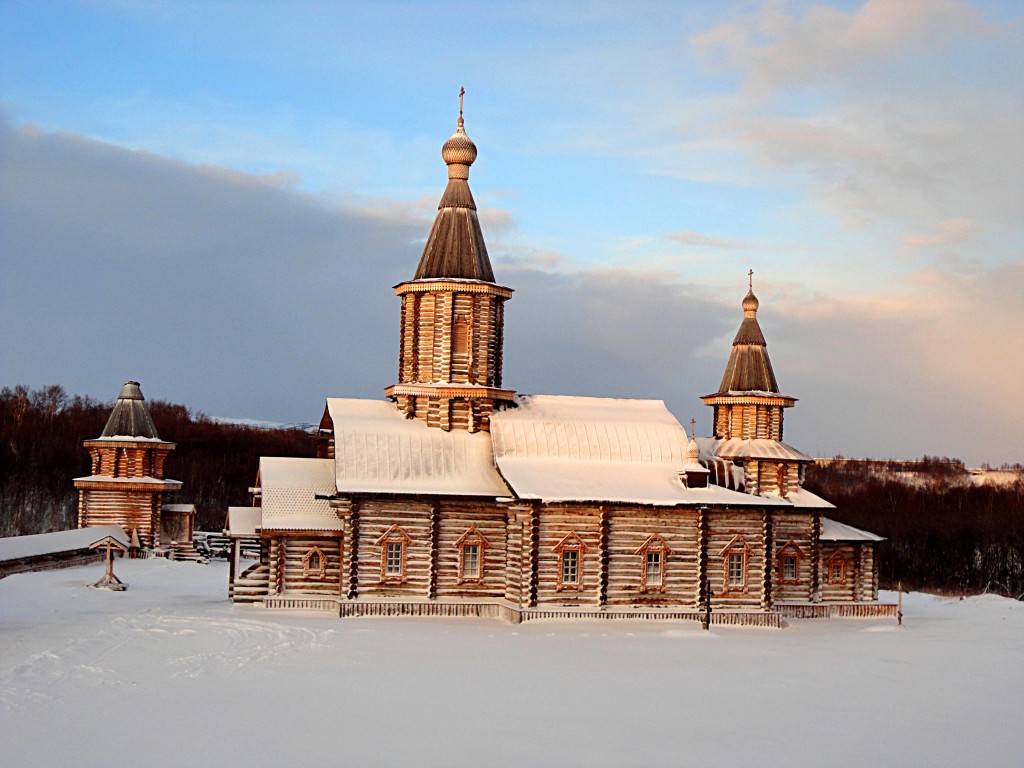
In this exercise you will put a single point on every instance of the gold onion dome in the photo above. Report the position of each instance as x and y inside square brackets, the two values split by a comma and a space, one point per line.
[750, 302]
[459, 149]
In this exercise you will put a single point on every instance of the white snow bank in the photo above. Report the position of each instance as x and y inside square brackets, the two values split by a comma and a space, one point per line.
[240, 686]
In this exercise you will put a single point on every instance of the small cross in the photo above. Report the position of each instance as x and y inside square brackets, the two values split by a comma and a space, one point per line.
[750, 275]
[462, 92]
[693, 424]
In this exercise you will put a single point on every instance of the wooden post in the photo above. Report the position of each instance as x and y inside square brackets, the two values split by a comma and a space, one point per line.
[899, 604]
[603, 558]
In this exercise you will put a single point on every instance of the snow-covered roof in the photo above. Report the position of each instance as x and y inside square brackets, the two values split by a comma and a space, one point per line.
[759, 448]
[832, 530]
[17, 547]
[378, 450]
[555, 448]
[179, 507]
[289, 487]
[243, 521]
[803, 498]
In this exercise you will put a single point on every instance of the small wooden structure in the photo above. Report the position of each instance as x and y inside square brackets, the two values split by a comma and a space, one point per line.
[59, 549]
[127, 486]
[109, 580]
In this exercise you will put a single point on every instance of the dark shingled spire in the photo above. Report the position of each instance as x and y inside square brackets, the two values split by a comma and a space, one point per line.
[130, 417]
[749, 369]
[456, 248]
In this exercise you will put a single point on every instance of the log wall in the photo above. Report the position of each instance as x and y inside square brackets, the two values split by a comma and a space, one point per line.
[724, 526]
[132, 510]
[796, 528]
[555, 524]
[629, 530]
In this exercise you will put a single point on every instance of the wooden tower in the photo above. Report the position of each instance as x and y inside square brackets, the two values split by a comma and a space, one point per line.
[449, 369]
[748, 411]
[127, 484]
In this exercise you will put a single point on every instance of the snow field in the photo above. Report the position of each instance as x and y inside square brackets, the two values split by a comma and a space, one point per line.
[169, 673]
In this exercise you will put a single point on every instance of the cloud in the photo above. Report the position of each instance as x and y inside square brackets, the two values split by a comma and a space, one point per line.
[242, 298]
[946, 233]
[705, 241]
[888, 113]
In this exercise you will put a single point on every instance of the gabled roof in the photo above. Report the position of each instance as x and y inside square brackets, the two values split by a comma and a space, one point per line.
[831, 530]
[577, 449]
[288, 490]
[243, 521]
[130, 417]
[378, 450]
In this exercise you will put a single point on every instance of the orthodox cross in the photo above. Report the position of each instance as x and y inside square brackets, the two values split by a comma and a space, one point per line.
[462, 92]
[693, 424]
[750, 274]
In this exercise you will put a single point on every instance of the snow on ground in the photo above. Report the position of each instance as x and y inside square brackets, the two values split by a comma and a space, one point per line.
[169, 673]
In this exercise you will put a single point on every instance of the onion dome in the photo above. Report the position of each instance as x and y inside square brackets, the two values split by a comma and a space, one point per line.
[459, 152]
[750, 303]
[130, 417]
[692, 453]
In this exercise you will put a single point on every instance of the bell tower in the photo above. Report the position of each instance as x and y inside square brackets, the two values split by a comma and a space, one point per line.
[452, 321]
[748, 404]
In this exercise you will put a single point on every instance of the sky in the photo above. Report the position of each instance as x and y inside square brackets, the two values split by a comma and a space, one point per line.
[216, 198]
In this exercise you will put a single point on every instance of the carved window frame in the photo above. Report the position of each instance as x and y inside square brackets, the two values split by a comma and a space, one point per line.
[655, 545]
[316, 572]
[837, 559]
[394, 536]
[790, 549]
[471, 538]
[736, 548]
[571, 542]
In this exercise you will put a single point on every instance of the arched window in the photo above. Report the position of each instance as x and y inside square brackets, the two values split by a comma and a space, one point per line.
[314, 564]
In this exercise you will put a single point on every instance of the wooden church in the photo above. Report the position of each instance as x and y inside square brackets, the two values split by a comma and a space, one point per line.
[457, 496]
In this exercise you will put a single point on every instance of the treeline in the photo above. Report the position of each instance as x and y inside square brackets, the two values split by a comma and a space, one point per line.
[943, 531]
[41, 434]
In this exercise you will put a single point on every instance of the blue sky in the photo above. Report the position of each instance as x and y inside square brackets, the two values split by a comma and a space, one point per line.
[863, 158]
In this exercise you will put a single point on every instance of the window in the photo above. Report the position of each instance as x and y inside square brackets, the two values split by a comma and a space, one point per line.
[789, 568]
[471, 546]
[570, 550]
[737, 574]
[836, 569]
[314, 564]
[570, 567]
[735, 557]
[392, 554]
[789, 558]
[653, 559]
[394, 559]
[653, 576]
[471, 561]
